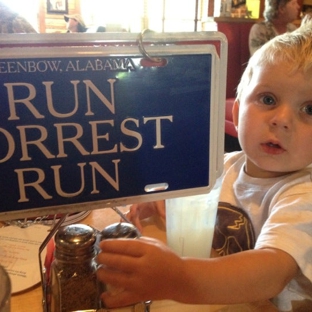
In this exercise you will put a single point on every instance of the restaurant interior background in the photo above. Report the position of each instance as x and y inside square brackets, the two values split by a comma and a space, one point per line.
[234, 18]
[135, 15]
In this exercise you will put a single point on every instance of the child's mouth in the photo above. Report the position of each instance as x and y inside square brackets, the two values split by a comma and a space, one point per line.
[272, 148]
[273, 145]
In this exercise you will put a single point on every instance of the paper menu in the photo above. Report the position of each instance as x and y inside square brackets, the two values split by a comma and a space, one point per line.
[19, 249]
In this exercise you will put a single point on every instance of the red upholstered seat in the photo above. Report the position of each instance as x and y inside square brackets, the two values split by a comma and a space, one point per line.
[229, 126]
[237, 32]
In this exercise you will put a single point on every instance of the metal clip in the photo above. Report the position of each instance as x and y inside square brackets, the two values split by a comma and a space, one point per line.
[142, 49]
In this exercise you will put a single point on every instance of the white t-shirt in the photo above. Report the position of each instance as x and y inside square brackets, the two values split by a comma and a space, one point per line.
[274, 212]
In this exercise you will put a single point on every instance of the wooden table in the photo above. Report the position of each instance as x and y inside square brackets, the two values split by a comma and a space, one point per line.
[31, 300]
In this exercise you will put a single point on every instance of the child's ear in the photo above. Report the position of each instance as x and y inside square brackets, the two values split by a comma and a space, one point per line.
[235, 112]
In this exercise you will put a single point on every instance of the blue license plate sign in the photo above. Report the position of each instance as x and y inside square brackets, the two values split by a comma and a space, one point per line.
[87, 130]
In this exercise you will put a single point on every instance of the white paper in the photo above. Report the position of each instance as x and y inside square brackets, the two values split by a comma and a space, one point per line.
[19, 254]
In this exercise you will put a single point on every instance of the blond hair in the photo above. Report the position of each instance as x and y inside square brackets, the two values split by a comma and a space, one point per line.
[294, 49]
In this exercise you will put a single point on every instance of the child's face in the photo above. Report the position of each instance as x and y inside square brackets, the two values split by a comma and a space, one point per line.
[274, 119]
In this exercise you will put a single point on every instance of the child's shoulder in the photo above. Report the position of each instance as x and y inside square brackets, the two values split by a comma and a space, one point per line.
[238, 159]
[234, 157]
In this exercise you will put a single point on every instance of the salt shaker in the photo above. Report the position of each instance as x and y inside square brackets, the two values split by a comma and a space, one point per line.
[120, 230]
[74, 284]
[124, 230]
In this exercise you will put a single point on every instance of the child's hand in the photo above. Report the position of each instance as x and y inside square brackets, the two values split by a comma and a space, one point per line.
[141, 269]
[141, 211]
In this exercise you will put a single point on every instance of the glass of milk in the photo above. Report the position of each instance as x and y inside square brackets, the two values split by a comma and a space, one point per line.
[190, 223]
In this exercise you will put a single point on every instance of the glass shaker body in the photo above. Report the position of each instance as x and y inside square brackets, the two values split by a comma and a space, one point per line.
[121, 230]
[74, 284]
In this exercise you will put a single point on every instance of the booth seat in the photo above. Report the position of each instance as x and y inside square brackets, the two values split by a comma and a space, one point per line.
[229, 125]
[230, 136]
[237, 31]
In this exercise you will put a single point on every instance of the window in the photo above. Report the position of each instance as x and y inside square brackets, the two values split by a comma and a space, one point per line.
[136, 15]
[25, 9]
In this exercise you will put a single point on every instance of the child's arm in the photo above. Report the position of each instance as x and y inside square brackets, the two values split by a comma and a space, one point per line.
[146, 269]
[141, 211]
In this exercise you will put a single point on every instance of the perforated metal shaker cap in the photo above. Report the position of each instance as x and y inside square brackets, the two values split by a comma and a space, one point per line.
[75, 239]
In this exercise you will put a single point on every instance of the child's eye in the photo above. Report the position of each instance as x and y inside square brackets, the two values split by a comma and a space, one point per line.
[268, 100]
[308, 109]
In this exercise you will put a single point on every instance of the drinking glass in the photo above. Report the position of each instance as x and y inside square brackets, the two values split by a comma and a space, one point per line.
[5, 290]
[190, 223]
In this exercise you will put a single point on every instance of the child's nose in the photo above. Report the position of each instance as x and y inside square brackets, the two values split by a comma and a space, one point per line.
[282, 117]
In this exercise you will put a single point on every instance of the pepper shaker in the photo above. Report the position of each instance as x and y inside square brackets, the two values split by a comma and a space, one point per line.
[74, 284]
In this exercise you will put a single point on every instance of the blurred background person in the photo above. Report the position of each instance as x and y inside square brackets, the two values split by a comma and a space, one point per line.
[12, 22]
[75, 23]
[279, 16]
